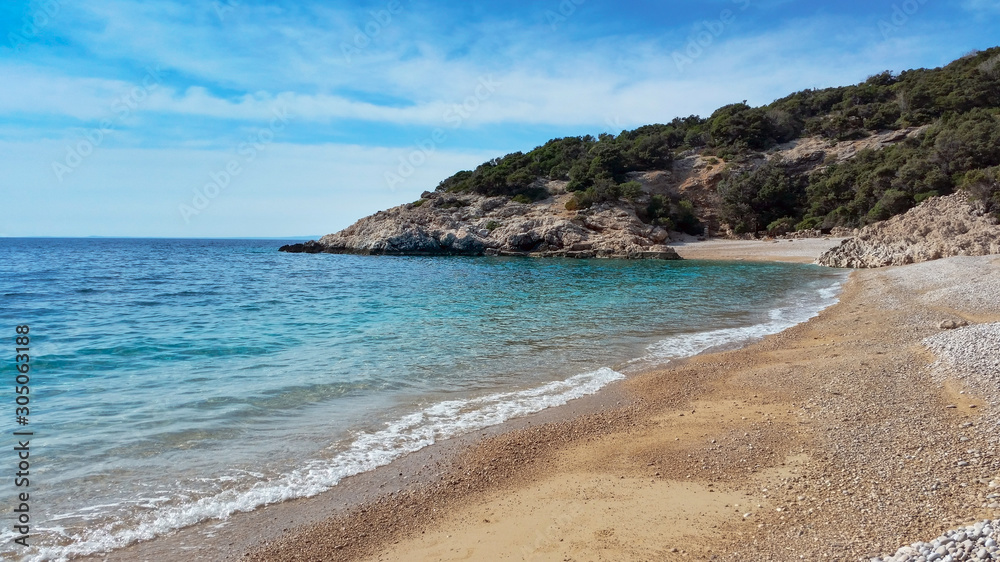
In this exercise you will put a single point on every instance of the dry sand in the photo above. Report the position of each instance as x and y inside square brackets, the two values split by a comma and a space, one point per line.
[804, 250]
[834, 440]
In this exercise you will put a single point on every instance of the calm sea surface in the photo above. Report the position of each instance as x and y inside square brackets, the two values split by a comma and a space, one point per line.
[174, 381]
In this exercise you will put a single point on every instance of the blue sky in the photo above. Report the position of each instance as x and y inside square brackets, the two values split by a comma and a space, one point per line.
[253, 118]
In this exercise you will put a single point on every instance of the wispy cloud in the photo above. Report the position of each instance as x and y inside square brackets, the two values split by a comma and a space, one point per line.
[356, 75]
[983, 6]
[579, 88]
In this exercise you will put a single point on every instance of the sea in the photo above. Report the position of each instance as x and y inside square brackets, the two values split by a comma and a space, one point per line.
[178, 381]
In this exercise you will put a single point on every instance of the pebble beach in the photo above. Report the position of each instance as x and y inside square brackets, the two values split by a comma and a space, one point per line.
[867, 433]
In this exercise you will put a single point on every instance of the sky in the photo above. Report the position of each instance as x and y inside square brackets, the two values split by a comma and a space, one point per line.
[245, 118]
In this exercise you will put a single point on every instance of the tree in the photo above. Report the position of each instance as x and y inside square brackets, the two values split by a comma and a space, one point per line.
[754, 199]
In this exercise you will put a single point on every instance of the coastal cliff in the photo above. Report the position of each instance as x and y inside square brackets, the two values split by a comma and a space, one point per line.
[464, 224]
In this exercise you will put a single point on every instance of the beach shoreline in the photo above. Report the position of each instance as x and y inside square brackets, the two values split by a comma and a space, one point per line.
[231, 538]
[520, 471]
[795, 250]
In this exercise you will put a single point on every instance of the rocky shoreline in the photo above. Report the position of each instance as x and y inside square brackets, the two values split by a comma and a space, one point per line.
[473, 225]
[940, 227]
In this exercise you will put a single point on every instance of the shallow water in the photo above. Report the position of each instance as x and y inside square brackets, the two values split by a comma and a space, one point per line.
[175, 381]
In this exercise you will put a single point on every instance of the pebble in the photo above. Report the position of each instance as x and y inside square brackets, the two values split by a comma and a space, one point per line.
[975, 542]
[970, 350]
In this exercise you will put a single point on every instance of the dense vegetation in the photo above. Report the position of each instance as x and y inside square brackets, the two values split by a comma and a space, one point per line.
[960, 104]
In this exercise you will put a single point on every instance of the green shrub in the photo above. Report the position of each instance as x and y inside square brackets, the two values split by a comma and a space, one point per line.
[751, 200]
[604, 189]
[891, 203]
[781, 226]
[579, 200]
[456, 183]
[631, 190]
[657, 208]
[808, 224]
[983, 188]
[671, 214]
[683, 218]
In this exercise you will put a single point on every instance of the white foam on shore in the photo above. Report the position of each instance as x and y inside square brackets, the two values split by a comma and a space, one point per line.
[802, 308]
[368, 451]
[413, 432]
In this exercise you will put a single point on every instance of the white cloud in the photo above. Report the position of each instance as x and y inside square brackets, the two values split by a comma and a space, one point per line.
[565, 83]
[225, 76]
[33, 90]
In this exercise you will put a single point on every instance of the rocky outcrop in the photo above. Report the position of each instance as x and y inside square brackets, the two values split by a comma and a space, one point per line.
[940, 227]
[465, 224]
[811, 154]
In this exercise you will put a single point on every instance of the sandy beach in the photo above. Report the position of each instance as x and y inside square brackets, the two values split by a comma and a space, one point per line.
[804, 250]
[843, 438]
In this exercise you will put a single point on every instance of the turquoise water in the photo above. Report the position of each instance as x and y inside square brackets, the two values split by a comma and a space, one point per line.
[175, 381]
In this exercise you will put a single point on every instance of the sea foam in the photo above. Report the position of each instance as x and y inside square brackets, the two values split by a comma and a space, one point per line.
[800, 307]
[368, 451]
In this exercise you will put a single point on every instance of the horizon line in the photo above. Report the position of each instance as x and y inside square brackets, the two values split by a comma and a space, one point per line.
[165, 237]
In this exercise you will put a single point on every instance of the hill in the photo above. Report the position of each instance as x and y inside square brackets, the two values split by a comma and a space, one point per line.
[811, 162]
